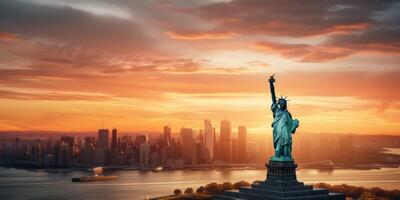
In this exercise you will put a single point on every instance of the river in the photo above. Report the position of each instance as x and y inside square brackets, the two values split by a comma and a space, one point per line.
[22, 184]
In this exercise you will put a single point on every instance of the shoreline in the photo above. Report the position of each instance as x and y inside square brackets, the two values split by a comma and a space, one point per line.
[203, 168]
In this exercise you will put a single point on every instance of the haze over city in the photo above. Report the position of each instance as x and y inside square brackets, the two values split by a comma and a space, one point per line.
[139, 65]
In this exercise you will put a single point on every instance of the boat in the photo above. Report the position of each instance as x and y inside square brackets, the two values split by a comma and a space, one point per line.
[94, 178]
[157, 169]
[98, 176]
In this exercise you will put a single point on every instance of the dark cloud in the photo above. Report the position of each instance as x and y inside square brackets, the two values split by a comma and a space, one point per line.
[290, 18]
[61, 24]
[383, 40]
[8, 37]
[304, 52]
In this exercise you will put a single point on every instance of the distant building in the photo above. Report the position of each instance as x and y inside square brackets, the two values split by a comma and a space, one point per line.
[200, 154]
[64, 156]
[225, 141]
[48, 161]
[68, 140]
[114, 139]
[141, 139]
[187, 145]
[144, 155]
[235, 150]
[90, 140]
[209, 140]
[99, 156]
[346, 144]
[86, 154]
[103, 138]
[167, 134]
[242, 144]
[346, 148]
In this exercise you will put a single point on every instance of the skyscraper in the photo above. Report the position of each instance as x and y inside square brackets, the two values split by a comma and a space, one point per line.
[114, 139]
[101, 147]
[209, 140]
[242, 144]
[187, 144]
[226, 141]
[64, 156]
[103, 140]
[141, 139]
[144, 155]
[167, 134]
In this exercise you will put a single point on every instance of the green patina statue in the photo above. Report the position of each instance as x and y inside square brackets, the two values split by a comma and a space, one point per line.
[283, 126]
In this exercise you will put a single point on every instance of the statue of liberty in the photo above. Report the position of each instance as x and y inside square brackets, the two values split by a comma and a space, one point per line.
[283, 126]
[281, 181]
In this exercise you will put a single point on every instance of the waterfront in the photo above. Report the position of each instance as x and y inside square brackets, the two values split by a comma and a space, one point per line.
[132, 184]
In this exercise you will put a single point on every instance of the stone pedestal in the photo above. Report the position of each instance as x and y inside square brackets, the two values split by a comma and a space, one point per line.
[281, 183]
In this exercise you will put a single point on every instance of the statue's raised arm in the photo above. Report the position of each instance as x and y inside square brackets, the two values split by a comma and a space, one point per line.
[271, 81]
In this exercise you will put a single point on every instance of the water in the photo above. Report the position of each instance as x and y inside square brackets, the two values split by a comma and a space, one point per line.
[395, 151]
[21, 184]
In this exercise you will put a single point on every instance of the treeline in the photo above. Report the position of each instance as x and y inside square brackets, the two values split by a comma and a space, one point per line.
[361, 192]
[214, 188]
[351, 191]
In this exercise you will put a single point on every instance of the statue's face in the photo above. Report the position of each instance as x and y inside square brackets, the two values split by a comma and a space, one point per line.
[282, 104]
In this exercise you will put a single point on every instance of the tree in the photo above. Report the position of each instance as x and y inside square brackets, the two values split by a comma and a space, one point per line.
[177, 192]
[379, 192]
[395, 194]
[357, 192]
[240, 184]
[189, 191]
[227, 186]
[201, 189]
[213, 188]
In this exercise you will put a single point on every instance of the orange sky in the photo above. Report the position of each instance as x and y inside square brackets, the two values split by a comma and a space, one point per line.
[140, 65]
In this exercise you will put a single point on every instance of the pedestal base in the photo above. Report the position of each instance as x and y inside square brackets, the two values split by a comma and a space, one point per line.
[281, 183]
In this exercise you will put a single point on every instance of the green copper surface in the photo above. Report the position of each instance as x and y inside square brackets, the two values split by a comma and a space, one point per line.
[283, 127]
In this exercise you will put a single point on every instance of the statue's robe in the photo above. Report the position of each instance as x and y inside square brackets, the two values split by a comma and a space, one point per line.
[283, 127]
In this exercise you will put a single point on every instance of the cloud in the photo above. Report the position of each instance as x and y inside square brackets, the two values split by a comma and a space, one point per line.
[199, 36]
[66, 25]
[304, 52]
[99, 8]
[382, 40]
[9, 37]
[51, 96]
[286, 18]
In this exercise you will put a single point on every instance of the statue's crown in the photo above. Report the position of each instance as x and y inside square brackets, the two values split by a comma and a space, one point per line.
[282, 98]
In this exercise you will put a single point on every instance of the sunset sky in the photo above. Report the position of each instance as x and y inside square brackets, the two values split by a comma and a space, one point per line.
[72, 65]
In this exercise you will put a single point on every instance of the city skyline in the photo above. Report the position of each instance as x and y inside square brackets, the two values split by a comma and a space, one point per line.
[189, 149]
[199, 99]
[69, 66]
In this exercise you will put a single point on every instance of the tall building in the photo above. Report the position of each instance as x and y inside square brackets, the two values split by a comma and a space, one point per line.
[346, 144]
[114, 139]
[242, 144]
[100, 152]
[144, 155]
[209, 140]
[103, 140]
[64, 156]
[235, 150]
[225, 141]
[141, 139]
[167, 134]
[86, 154]
[187, 145]
[68, 140]
[90, 140]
